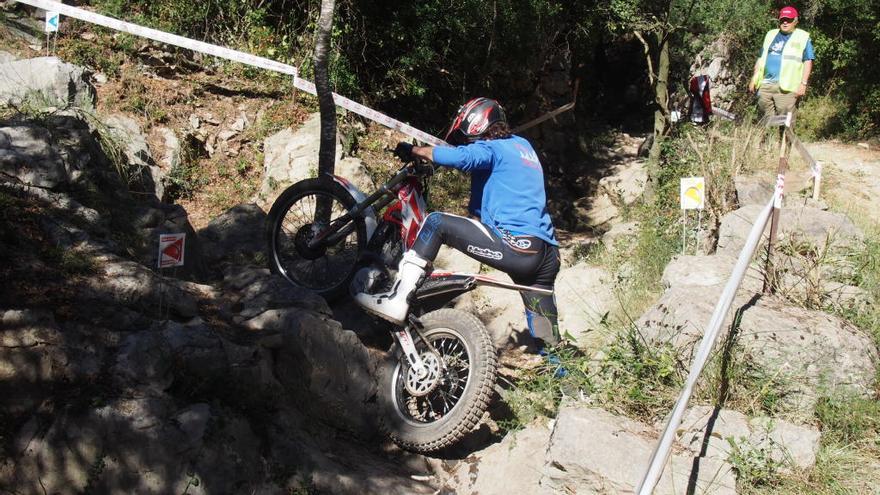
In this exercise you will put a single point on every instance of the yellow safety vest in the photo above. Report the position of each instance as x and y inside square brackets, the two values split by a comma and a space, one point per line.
[792, 67]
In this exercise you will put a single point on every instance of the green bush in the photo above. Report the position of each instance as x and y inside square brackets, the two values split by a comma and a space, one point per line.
[821, 117]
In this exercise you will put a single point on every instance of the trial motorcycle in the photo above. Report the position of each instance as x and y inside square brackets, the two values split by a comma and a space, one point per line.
[326, 235]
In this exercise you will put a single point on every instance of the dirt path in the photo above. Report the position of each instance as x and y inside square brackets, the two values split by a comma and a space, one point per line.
[851, 178]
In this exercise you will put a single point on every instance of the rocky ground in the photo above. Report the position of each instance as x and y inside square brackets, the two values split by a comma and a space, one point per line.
[119, 377]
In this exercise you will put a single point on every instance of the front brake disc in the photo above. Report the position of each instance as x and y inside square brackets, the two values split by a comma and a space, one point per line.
[422, 386]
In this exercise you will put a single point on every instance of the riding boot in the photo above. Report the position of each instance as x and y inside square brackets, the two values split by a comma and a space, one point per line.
[394, 304]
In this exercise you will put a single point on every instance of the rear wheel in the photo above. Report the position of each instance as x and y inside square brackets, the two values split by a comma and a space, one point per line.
[425, 414]
[300, 214]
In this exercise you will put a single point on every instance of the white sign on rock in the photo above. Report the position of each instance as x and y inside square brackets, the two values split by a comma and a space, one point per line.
[693, 193]
[53, 19]
[171, 249]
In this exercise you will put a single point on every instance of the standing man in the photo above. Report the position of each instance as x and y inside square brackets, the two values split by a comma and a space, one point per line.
[782, 72]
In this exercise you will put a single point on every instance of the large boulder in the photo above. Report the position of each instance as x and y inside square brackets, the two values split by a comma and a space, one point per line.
[588, 451]
[720, 433]
[28, 156]
[236, 235]
[715, 270]
[58, 152]
[516, 461]
[818, 227]
[45, 82]
[708, 271]
[141, 170]
[584, 298]
[332, 369]
[804, 353]
[593, 451]
[292, 155]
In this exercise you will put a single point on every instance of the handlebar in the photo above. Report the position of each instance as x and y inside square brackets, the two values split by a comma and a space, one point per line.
[413, 164]
[421, 167]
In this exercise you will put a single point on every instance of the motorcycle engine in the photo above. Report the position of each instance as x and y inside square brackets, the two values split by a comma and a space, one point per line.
[369, 280]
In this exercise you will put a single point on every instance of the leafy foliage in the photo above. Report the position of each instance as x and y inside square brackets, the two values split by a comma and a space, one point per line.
[846, 36]
[419, 59]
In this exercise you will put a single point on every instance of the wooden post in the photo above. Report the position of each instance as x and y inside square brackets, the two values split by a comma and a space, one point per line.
[769, 285]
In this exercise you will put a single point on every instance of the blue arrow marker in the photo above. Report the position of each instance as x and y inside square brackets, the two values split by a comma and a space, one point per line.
[52, 21]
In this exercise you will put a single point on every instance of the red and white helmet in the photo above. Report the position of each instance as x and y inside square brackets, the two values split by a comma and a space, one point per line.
[473, 119]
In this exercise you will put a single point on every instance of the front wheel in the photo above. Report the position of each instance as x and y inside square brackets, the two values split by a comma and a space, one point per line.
[303, 213]
[425, 414]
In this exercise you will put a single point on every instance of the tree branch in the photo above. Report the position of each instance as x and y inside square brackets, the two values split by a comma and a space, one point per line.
[651, 76]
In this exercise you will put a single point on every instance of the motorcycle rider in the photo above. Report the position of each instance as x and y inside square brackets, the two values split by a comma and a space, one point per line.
[514, 233]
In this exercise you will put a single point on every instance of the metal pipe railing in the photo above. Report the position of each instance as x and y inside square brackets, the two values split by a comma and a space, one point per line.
[664, 447]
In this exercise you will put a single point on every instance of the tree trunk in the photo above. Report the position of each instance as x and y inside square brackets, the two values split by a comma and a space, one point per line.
[661, 111]
[327, 151]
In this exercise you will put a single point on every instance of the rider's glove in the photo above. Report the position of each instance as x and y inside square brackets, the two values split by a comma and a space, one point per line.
[404, 151]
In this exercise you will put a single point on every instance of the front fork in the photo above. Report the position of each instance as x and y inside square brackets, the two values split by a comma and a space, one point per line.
[404, 338]
[339, 229]
[408, 346]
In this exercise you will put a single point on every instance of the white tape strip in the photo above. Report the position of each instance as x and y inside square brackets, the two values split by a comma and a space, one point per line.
[554, 113]
[373, 115]
[724, 113]
[780, 191]
[233, 55]
[545, 117]
[776, 121]
[154, 34]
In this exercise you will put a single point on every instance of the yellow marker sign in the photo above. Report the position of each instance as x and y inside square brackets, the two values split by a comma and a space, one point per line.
[693, 193]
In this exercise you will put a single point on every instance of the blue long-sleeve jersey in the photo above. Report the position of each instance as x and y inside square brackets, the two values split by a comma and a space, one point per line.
[507, 183]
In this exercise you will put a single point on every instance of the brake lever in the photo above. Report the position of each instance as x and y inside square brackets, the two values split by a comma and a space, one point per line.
[424, 167]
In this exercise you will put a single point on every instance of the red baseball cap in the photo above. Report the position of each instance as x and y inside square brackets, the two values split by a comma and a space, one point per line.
[788, 12]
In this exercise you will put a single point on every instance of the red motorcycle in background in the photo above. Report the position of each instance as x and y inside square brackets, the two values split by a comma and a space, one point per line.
[327, 236]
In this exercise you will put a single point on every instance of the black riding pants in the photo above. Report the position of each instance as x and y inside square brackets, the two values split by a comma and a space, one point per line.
[529, 260]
